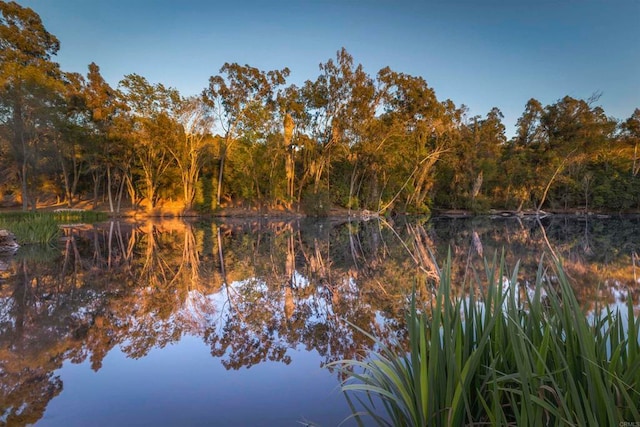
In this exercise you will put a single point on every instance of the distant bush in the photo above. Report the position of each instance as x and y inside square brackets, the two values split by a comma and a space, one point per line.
[316, 203]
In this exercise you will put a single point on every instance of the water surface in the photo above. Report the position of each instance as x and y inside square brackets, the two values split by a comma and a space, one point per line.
[232, 324]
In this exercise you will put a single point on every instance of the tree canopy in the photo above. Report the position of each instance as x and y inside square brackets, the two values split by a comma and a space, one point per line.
[345, 139]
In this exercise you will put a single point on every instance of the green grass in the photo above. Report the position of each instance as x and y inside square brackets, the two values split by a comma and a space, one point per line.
[490, 360]
[43, 227]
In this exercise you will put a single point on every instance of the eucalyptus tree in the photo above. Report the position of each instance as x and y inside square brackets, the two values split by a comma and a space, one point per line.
[576, 133]
[191, 149]
[71, 137]
[416, 130]
[240, 95]
[340, 104]
[630, 135]
[529, 129]
[488, 140]
[154, 129]
[109, 154]
[294, 117]
[29, 84]
[517, 160]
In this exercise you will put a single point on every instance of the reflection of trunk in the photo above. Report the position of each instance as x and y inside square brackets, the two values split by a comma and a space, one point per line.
[225, 282]
[352, 246]
[289, 305]
[97, 250]
[190, 256]
[221, 257]
[290, 264]
[71, 254]
[20, 297]
[422, 245]
[154, 271]
[316, 262]
[546, 240]
[290, 269]
[109, 245]
[125, 255]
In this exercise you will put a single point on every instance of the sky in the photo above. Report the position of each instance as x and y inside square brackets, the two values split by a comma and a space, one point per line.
[484, 54]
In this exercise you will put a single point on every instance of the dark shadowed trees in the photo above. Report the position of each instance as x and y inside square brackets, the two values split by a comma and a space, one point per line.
[29, 83]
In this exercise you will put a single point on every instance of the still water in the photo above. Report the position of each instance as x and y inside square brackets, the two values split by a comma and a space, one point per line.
[174, 323]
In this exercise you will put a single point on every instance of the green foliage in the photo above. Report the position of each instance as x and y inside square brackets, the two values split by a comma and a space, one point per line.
[31, 227]
[498, 359]
[316, 203]
[44, 227]
[383, 143]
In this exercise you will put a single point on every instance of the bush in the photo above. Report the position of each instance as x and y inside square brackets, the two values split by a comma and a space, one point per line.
[316, 203]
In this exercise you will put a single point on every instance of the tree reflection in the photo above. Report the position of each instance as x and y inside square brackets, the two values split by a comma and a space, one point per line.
[254, 291]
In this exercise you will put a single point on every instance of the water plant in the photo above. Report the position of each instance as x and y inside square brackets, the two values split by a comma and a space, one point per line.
[43, 227]
[31, 227]
[489, 357]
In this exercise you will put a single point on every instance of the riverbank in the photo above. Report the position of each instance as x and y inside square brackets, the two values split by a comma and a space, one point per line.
[173, 209]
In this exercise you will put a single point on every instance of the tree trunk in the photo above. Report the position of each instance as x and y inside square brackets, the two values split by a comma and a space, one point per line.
[65, 179]
[96, 186]
[109, 189]
[25, 191]
[223, 155]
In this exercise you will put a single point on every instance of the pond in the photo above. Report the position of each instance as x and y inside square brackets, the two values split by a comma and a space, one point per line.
[231, 323]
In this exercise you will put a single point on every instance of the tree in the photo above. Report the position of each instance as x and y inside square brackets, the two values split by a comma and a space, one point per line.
[417, 132]
[196, 121]
[294, 115]
[71, 136]
[340, 103]
[238, 94]
[29, 80]
[110, 153]
[630, 134]
[529, 129]
[155, 129]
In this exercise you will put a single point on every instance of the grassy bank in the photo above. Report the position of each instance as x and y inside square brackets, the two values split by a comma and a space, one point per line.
[497, 360]
[44, 227]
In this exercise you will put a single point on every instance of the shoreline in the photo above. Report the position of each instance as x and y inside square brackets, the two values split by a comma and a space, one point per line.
[170, 212]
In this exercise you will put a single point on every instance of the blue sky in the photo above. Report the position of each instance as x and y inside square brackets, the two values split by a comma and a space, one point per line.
[478, 53]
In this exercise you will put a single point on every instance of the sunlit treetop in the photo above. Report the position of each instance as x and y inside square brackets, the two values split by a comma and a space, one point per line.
[23, 38]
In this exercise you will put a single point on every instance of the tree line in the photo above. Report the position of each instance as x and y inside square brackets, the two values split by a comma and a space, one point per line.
[383, 143]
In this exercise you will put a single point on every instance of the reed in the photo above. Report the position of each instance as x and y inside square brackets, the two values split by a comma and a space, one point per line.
[494, 359]
[31, 227]
[43, 227]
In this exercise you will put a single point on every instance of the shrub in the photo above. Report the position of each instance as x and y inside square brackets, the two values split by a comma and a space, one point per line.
[316, 203]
